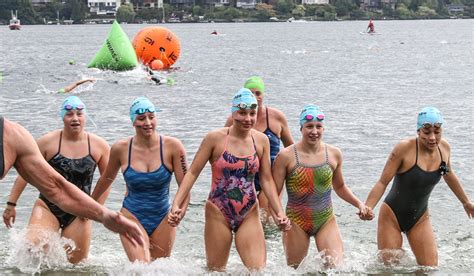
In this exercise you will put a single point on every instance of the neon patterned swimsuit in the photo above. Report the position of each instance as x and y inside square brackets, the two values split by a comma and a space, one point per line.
[309, 195]
[232, 189]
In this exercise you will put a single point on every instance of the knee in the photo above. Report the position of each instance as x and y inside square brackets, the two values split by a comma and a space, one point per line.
[391, 256]
[77, 256]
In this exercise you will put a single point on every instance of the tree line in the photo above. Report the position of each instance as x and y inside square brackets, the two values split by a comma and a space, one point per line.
[269, 10]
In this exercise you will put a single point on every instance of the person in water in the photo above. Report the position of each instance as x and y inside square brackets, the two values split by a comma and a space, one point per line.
[273, 123]
[417, 164]
[214, 33]
[75, 154]
[73, 86]
[371, 27]
[18, 149]
[236, 154]
[311, 170]
[148, 161]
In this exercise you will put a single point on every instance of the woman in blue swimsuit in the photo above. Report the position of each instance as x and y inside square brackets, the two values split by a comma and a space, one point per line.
[417, 165]
[74, 154]
[147, 161]
[273, 123]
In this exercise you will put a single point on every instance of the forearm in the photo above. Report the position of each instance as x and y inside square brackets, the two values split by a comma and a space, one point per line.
[182, 196]
[456, 187]
[346, 194]
[375, 195]
[273, 198]
[102, 189]
[17, 189]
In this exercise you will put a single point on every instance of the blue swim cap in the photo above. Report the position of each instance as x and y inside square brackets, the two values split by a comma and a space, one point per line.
[71, 102]
[429, 115]
[244, 99]
[139, 106]
[311, 113]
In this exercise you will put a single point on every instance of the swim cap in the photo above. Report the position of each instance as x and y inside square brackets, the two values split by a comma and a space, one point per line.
[311, 113]
[139, 106]
[255, 82]
[429, 115]
[244, 99]
[71, 102]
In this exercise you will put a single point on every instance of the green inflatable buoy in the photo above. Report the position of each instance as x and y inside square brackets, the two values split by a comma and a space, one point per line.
[117, 53]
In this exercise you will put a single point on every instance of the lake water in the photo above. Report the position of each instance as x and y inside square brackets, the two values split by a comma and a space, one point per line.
[370, 87]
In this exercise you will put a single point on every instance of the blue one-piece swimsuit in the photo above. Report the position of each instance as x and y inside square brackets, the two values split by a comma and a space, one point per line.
[148, 196]
[274, 150]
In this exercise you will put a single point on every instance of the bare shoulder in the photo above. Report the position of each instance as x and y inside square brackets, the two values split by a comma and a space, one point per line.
[172, 142]
[120, 145]
[48, 138]
[16, 136]
[259, 137]
[286, 153]
[97, 139]
[276, 113]
[216, 135]
[404, 145]
[334, 151]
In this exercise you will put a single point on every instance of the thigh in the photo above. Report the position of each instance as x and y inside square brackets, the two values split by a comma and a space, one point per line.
[389, 235]
[136, 252]
[41, 222]
[329, 242]
[217, 238]
[79, 231]
[162, 240]
[423, 243]
[250, 241]
[296, 244]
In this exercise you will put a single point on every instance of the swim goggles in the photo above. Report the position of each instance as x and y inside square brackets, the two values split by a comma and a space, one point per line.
[430, 125]
[246, 106]
[141, 111]
[76, 107]
[310, 117]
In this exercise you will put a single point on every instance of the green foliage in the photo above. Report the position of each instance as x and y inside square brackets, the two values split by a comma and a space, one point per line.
[298, 11]
[343, 7]
[149, 14]
[264, 12]
[197, 11]
[284, 6]
[426, 12]
[403, 12]
[125, 14]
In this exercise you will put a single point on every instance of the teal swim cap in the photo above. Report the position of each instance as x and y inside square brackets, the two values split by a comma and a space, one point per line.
[311, 113]
[431, 116]
[139, 106]
[71, 102]
[244, 99]
[255, 82]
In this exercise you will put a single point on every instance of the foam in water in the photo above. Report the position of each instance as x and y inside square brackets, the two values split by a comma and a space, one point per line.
[46, 253]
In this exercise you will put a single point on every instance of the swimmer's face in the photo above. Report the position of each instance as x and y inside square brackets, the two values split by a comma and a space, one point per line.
[74, 120]
[145, 124]
[258, 94]
[312, 131]
[245, 118]
[430, 136]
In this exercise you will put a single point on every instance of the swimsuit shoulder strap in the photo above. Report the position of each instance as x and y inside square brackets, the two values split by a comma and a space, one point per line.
[226, 139]
[130, 152]
[161, 150]
[60, 140]
[268, 121]
[326, 152]
[254, 144]
[416, 160]
[2, 161]
[296, 155]
[89, 143]
[440, 153]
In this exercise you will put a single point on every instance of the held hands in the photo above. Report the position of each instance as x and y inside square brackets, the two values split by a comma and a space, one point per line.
[116, 222]
[365, 212]
[469, 207]
[9, 215]
[175, 215]
[282, 222]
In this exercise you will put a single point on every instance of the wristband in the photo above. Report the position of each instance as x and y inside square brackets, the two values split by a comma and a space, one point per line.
[11, 203]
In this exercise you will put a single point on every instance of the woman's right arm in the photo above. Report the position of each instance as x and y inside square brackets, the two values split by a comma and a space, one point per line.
[102, 188]
[203, 155]
[391, 167]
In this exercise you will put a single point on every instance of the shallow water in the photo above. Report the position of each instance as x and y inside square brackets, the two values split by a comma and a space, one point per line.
[370, 88]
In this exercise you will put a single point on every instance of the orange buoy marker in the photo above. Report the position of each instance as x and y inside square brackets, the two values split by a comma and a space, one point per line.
[156, 65]
[156, 43]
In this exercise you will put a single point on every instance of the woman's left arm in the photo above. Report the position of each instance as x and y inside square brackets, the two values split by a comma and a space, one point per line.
[180, 167]
[455, 185]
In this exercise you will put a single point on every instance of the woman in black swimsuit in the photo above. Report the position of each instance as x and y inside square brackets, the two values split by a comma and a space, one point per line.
[74, 154]
[417, 164]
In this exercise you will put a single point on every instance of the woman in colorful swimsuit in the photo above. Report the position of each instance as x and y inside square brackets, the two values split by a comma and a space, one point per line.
[417, 164]
[236, 154]
[148, 161]
[273, 123]
[75, 154]
[312, 169]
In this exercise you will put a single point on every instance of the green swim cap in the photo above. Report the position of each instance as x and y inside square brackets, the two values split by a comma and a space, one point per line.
[255, 82]
[62, 90]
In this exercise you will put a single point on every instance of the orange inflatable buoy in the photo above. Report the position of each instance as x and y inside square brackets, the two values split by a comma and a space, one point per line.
[156, 43]
[156, 64]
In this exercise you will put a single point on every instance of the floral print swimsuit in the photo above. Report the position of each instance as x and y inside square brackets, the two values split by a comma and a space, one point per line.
[233, 190]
